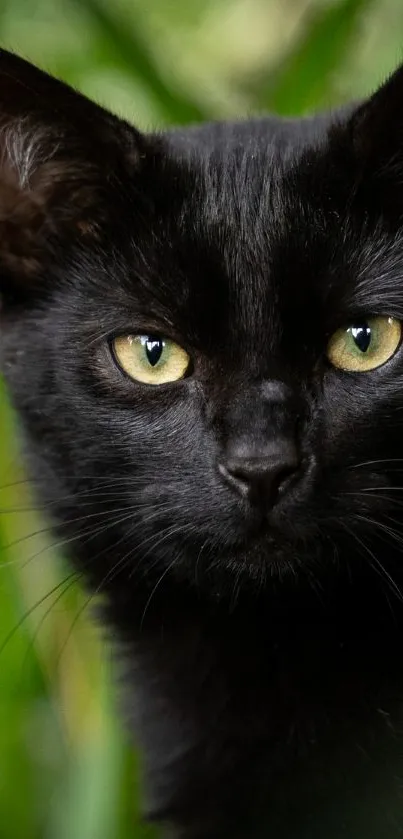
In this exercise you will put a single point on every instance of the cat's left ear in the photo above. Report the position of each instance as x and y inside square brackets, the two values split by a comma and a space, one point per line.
[377, 129]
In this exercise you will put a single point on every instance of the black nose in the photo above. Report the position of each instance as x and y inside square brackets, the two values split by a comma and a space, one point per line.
[261, 477]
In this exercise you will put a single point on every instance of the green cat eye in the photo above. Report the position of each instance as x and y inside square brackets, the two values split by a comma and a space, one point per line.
[151, 359]
[364, 345]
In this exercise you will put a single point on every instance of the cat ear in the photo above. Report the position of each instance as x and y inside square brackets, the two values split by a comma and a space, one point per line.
[58, 152]
[377, 129]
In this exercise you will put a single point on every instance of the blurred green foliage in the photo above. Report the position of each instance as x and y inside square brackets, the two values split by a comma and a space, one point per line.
[65, 770]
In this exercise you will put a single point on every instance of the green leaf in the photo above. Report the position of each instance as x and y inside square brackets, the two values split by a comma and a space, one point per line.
[125, 47]
[303, 79]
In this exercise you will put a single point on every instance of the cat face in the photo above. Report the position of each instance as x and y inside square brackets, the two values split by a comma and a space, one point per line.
[166, 333]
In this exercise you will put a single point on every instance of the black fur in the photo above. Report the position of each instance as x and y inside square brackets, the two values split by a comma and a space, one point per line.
[261, 633]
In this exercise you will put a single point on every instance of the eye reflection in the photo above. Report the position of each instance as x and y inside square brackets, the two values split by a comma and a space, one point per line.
[154, 349]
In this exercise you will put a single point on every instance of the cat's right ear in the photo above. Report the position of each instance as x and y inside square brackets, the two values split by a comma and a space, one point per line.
[58, 153]
[377, 129]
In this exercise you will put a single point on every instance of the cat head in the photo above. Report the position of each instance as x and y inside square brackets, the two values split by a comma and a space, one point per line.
[200, 331]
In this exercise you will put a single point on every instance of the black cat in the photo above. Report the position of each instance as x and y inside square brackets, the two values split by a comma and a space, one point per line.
[201, 331]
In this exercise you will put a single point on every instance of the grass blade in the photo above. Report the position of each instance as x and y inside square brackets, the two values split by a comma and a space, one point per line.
[303, 80]
[127, 49]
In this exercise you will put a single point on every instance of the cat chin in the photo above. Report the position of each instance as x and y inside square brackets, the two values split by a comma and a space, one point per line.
[259, 562]
[262, 562]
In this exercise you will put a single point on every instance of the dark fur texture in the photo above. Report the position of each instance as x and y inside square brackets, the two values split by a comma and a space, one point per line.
[261, 633]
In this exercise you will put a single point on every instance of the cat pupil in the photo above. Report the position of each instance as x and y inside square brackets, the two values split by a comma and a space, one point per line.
[362, 336]
[154, 350]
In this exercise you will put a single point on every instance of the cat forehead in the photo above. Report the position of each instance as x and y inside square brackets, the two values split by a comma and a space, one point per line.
[252, 136]
[239, 190]
[209, 234]
[263, 215]
[236, 169]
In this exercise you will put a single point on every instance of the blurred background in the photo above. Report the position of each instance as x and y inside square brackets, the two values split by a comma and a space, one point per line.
[65, 771]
